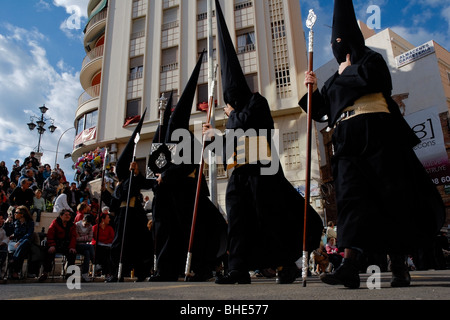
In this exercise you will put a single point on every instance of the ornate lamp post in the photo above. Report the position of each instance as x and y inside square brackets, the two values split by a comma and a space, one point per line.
[40, 124]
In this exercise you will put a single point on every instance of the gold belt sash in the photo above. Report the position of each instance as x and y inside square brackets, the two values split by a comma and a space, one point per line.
[250, 150]
[371, 103]
[132, 202]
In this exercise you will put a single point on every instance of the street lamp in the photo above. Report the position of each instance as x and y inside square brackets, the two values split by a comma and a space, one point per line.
[57, 146]
[40, 124]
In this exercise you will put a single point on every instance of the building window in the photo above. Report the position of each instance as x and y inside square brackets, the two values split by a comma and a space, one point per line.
[291, 151]
[136, 67]
[133, 108]
[87, 121]
[244, 14]
[139, 8]
[170, 28]
[283, 77]
[169, 70]
[280, 49]
[246, 42]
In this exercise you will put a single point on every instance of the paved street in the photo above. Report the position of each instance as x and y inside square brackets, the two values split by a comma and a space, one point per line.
[426, 285]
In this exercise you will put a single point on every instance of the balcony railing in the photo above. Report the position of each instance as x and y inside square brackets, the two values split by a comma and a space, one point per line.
[98, 17]
[90, 93]
[170, 25]
[169, 67]
[92, 55]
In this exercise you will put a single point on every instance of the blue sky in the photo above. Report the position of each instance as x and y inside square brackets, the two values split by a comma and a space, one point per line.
[41, 53]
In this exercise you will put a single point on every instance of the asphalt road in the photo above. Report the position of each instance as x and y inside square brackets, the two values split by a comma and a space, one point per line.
[262, 299]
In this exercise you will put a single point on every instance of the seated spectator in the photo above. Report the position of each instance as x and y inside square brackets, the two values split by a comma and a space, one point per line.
[4, 204]
[84, 246]
[34, 161]
[4, 240]
[61, 238]
[20, 241]
[82, 209]
[333, 252]
[22, 195]
[61, 202]
[15, 172]
[3, 169]
[50, 186]
[47, 171]
[105, 236]
[38, 206]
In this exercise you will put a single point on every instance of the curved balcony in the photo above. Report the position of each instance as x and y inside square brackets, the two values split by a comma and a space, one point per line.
[95, 27]
[92, 5]
[90, 94]
[91, 65]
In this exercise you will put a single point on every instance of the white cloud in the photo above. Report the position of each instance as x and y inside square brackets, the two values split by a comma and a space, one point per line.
[419, 36]
[28, 80]
[76, 15]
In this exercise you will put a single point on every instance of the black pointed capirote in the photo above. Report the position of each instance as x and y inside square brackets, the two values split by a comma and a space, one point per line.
[123, 164]
[236, 91]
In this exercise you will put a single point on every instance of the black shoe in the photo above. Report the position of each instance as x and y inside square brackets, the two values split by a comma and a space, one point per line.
[400, 274]
[43, 277]
[287, 275]
[233, 277]
[347, 274]
[161, 278]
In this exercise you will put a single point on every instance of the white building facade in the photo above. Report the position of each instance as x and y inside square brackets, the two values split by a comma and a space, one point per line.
[137, 50]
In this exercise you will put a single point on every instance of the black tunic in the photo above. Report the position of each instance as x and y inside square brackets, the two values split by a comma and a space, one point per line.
[138, 246]
[265, 212]
[385, 199]
[173, 208]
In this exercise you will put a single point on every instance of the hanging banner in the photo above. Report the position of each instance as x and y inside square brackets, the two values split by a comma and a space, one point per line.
[431, 150]
[86, 135]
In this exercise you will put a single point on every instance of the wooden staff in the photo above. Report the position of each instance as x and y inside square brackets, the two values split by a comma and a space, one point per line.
[199, 182]
[136, 140]
[310, 24]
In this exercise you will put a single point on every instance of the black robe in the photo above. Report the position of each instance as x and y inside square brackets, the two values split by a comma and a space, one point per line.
[138, 245]
[173, 207]
[265, 212]
[386, 201]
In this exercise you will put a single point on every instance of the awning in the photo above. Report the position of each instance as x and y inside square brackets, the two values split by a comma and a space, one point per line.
[100, 7]
[93, 40]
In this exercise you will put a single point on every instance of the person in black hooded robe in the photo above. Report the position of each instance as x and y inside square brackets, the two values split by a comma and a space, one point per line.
[137, 246]
[380, 183]
[265, 212]
[173, 205]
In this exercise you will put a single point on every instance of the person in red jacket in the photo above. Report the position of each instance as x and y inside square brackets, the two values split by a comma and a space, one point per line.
[102, 240]
[61, 238]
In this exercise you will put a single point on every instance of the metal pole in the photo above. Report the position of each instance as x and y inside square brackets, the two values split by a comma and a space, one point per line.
[57, 146]
[40, 135]
[212, 157]
[310, 24]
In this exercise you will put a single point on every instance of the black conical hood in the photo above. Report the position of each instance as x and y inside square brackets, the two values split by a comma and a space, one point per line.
[123, 164]
[160, 134]
[182, 113]
[345, 27]
[236, 91]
